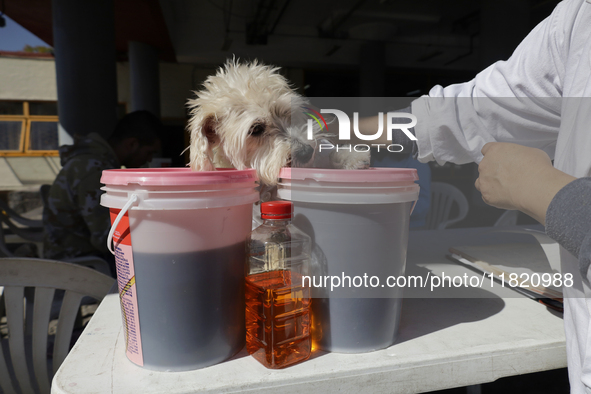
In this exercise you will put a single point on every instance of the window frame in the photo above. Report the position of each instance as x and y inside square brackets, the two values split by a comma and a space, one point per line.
[25, 141]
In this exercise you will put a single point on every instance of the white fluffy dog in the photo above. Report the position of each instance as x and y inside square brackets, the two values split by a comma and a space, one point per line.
[244, 116]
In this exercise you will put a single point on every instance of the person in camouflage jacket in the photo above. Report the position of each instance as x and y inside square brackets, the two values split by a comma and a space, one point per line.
[76, 225]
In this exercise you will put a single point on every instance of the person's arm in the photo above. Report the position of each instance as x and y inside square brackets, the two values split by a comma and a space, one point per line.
[518, 100]
[568, 220]
[512, 176]
[516, 177]
[369, 125]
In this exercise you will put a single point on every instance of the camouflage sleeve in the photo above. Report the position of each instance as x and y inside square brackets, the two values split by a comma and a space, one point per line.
[95, 215]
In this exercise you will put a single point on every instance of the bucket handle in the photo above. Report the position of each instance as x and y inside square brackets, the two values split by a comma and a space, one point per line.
[123, 211]
[413, 206]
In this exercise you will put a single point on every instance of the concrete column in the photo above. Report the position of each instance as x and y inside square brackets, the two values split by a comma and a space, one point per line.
[503, 24]
[372, 69]
[85, 63]
[145, 78]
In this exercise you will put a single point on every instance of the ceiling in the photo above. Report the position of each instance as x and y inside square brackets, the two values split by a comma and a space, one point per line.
[317, 33]
[434, 34]
[439, 34]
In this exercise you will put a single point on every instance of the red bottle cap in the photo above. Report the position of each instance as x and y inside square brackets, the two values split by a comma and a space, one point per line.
[276, 210]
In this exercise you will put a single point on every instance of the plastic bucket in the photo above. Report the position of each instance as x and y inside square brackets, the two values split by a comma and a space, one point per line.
[179, 242]
[358, 221]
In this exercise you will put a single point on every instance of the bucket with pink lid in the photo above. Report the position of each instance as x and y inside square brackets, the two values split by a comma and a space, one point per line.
[178, 238]
[359, 222]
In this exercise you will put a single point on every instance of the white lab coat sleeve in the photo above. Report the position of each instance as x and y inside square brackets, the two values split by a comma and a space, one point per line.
[517, 100]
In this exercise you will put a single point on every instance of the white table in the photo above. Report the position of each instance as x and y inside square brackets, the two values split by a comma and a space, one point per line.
[442, 343]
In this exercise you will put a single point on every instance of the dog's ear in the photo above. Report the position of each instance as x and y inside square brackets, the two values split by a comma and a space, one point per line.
[203, 140]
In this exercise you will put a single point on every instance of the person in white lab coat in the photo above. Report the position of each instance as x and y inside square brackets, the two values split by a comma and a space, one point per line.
[539, 98]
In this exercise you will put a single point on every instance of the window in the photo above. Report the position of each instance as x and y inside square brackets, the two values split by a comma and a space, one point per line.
[28, 128]
[43, 136]
[10, 135]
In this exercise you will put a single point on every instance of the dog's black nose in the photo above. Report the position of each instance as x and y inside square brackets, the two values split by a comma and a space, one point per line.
[304, 153]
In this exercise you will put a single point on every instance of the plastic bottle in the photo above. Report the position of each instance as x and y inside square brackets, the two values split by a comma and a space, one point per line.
[277, 305]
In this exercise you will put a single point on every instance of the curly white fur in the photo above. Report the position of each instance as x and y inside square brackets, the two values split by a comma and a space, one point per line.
[244, 112]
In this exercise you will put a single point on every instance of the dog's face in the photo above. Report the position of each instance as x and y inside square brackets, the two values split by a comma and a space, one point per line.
[250, 117]
[244, 112]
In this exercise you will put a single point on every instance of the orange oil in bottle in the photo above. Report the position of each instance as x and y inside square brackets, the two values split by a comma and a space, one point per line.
[277, 318]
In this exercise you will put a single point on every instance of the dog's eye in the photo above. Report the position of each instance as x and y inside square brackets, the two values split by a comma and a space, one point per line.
[257, 130]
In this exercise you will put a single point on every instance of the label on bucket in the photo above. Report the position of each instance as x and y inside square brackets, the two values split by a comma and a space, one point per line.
[127, 288]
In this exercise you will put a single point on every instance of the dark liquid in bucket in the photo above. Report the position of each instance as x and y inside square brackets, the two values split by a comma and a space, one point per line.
[277, 319]
[191, 307]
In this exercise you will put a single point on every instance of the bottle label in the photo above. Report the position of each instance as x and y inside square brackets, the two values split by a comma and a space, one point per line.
[127, 288]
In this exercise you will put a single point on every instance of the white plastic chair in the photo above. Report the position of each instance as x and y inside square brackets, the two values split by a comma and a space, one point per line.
[443, 197]
[93, 262]
[28, 332]
[19, 228]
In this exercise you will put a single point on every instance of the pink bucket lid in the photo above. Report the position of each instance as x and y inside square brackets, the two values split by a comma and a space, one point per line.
[176, 176]
[353, 176]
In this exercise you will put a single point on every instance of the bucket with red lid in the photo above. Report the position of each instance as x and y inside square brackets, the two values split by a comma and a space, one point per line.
[358, 221]
[179, 241]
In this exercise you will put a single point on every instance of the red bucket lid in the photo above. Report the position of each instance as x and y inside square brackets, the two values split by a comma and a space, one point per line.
[171, 176]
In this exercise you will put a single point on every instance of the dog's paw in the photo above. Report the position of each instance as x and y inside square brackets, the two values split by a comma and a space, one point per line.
[343, 159]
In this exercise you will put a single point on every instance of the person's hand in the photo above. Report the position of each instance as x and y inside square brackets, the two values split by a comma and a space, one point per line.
[512, 176]
[506, 170]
